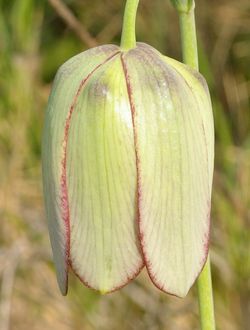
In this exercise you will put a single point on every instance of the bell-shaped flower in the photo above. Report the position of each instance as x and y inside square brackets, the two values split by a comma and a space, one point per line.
[127, 168]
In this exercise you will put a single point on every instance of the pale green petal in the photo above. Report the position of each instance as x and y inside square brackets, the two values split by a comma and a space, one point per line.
[101, 176]
[197, 83]
[65, 87]
[174, 146]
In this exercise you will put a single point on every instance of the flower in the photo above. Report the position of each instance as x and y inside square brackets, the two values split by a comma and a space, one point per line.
[127, 169]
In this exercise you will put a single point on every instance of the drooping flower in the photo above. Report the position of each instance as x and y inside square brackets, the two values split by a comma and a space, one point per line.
[127, 168]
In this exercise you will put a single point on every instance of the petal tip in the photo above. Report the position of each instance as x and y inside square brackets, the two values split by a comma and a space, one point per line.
[63, 288]
[106, 289]
[62, 278]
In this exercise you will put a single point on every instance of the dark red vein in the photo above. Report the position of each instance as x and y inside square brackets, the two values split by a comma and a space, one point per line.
[141, 234]
[64, 202]
[132, 108]
[146, 260]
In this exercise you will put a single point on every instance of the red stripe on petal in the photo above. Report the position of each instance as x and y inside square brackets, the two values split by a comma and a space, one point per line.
[63, 182]
[132, 107]
[116, 288]
[147, 262]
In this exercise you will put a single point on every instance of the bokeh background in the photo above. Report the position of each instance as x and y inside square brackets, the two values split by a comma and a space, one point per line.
[36, 37]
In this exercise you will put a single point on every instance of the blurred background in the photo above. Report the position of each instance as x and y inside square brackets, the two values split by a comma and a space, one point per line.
[36, 37]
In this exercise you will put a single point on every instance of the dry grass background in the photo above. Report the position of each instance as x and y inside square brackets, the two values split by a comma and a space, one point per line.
[35, 38]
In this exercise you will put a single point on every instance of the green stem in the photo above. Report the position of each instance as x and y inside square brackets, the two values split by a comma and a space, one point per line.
[188, 39]
[204, 282]
[205, 294]
[128, 39]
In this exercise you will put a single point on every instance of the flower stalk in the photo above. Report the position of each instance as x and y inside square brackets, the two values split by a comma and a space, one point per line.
[205, 295]
[190, 57]
[128, 39]
[188, 39]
